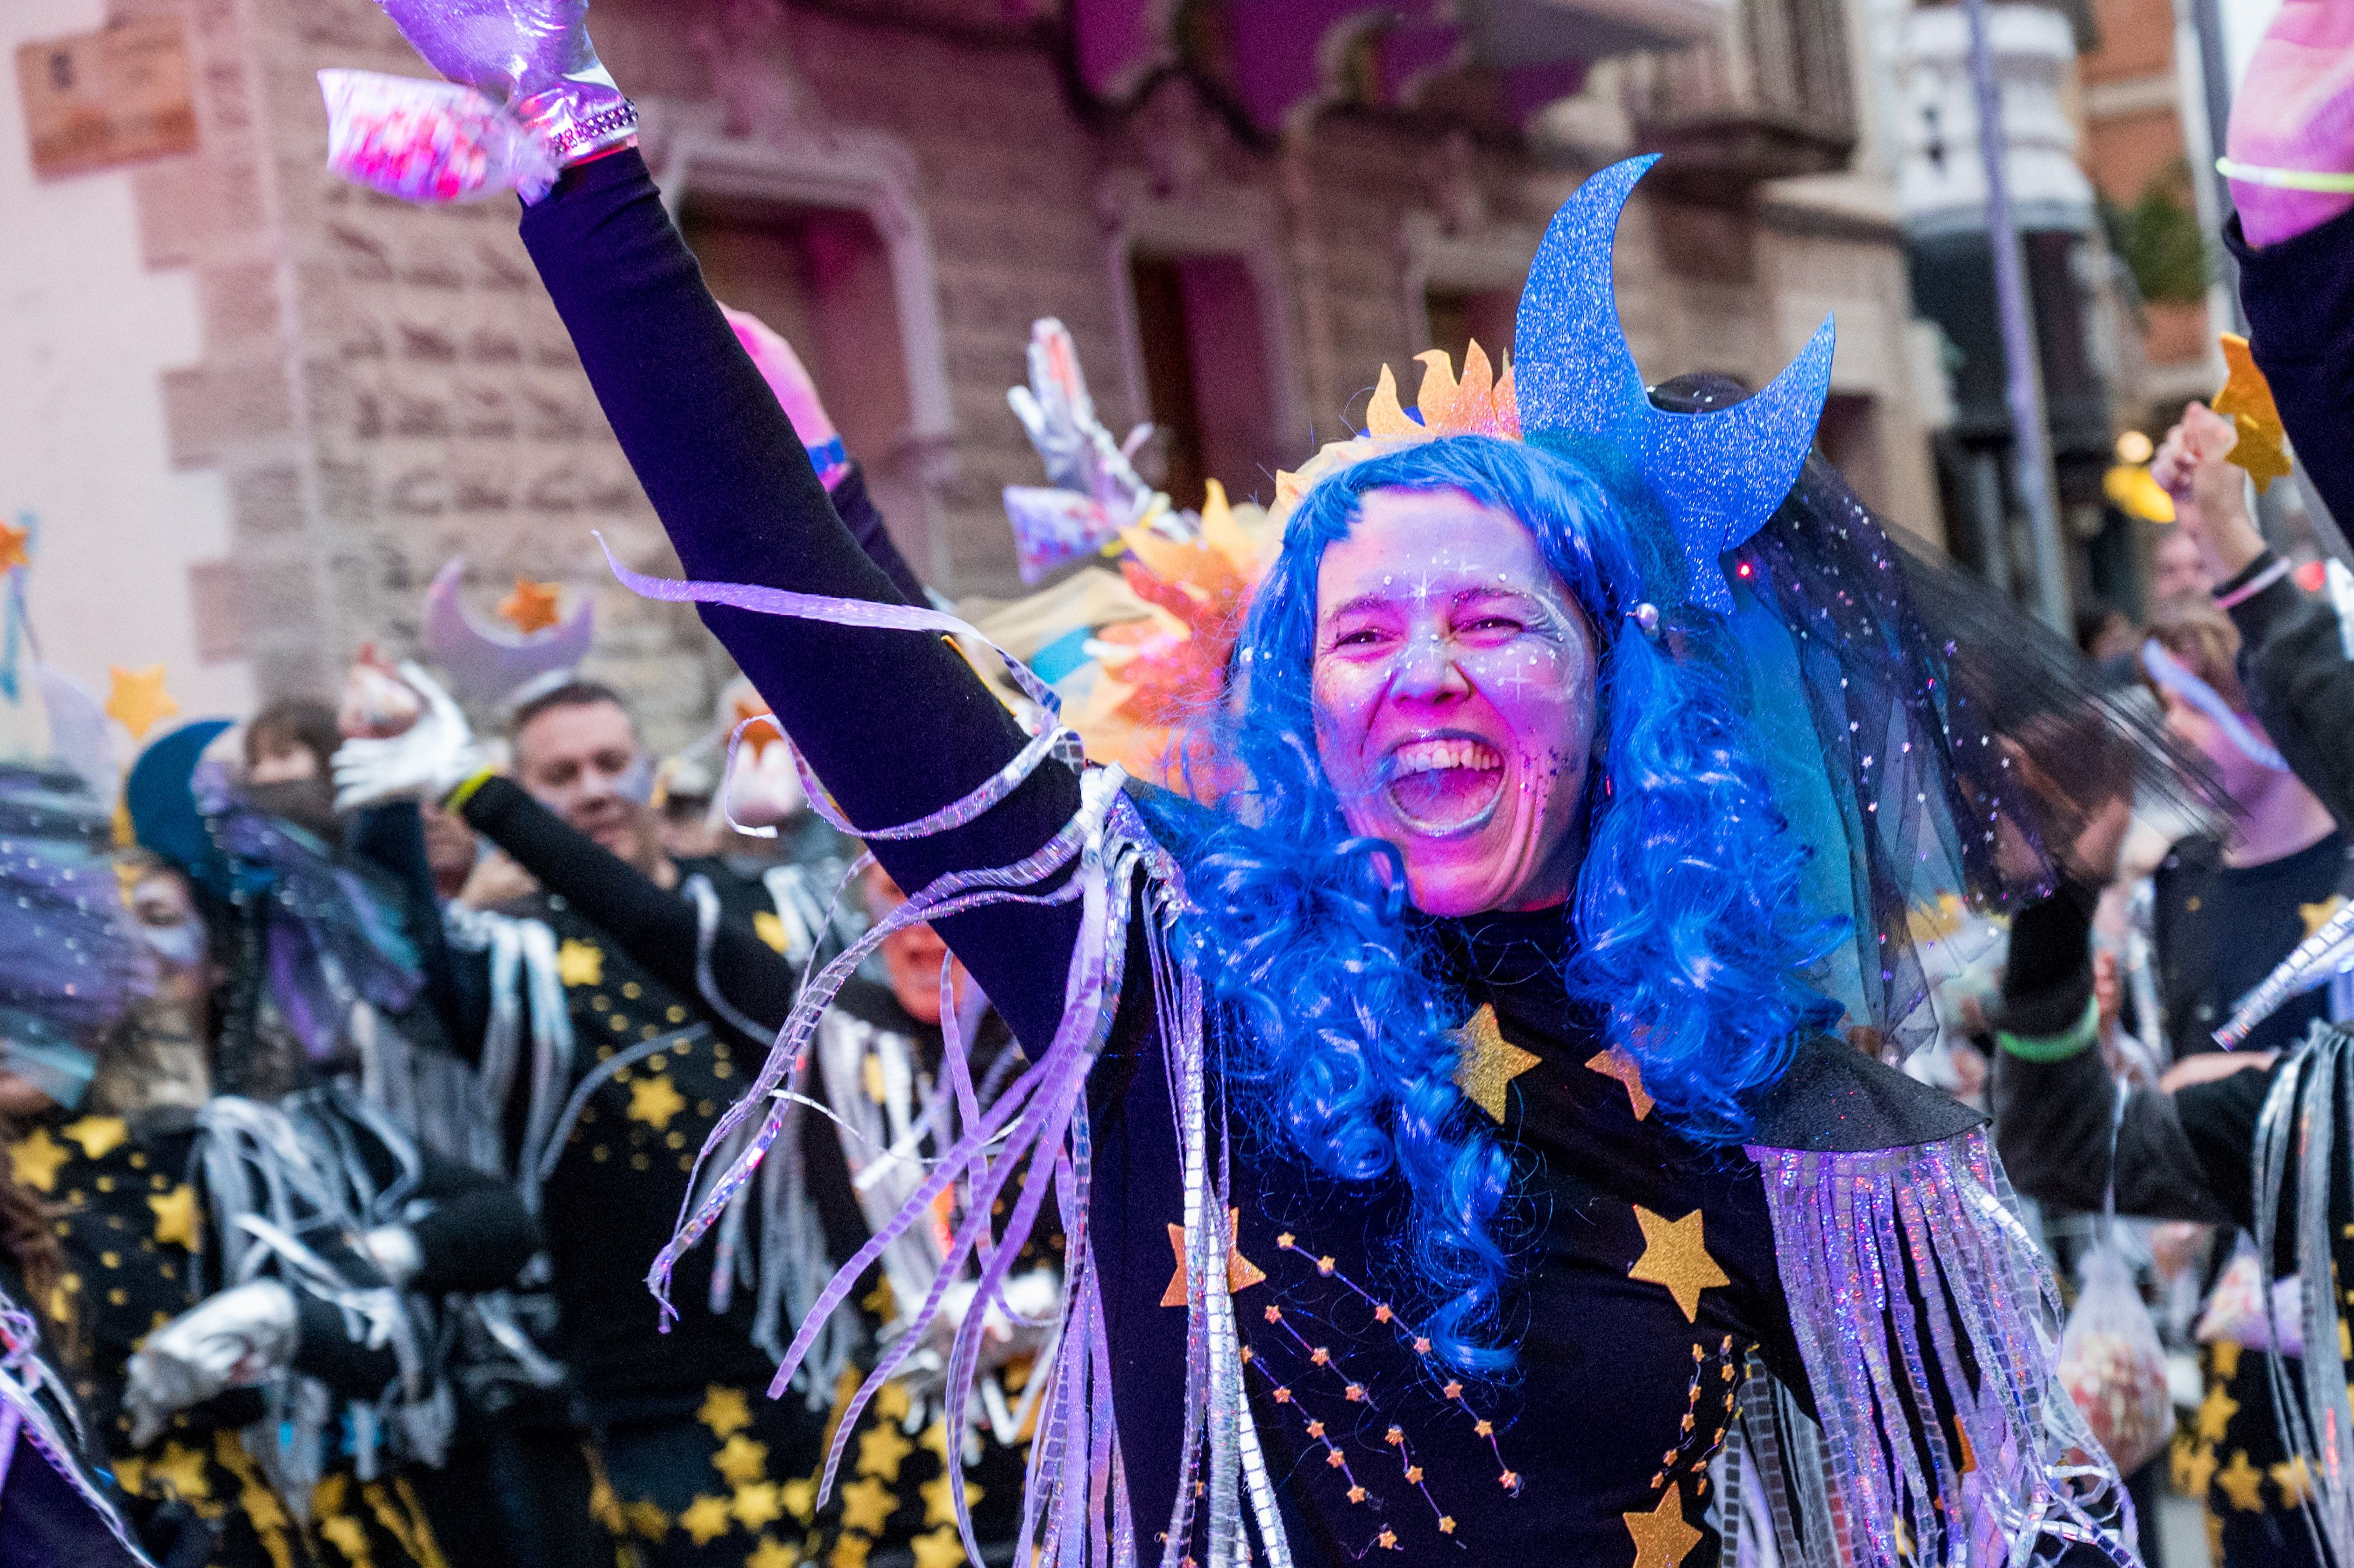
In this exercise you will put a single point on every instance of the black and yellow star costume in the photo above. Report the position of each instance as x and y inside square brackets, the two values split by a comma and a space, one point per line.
[695, 1464]
[136, 1229]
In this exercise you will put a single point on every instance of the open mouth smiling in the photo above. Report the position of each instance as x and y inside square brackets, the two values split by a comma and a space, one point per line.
[1443, 785]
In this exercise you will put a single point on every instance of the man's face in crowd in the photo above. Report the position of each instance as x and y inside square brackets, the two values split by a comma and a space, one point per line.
[912, 956]
[581, 761]
[282, 760]
[2178, 568]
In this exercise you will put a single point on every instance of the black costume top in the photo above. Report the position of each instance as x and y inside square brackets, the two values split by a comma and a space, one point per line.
[1647, 1262]
[628, 958]
[136, 1227]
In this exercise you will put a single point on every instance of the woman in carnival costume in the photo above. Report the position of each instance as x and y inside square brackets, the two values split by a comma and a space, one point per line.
[1445, 1128]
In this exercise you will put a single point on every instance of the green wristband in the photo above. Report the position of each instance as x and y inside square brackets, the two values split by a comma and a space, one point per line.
[2056, 1047]
[454, 802]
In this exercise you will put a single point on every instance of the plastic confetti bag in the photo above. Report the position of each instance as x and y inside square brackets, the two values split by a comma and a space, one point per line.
[428, 140]
[2112, 1364]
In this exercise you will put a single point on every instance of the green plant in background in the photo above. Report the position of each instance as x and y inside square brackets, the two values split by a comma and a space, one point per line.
[2159, 237]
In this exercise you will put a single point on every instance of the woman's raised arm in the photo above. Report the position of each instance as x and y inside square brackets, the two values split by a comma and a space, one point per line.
[894, 723]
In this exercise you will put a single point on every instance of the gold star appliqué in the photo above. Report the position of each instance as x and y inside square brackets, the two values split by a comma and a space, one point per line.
[531, 608]
[1662, 1539]
[33, 1160]
[941, 1548]
[1673, 1256]
[654, 1101]
[772, 1553]
[706, 1518]
[2316, 915]
[1488, 1063]
[725, 1411]
[2292, 1479]
[99, 1136]
[137, 700]
[580, 963]
[940, 1504]
[1617, 1063]
[1241, 1272]
[176, 1218]
[2243, 1483]
[758, 1505]
[741, 1461]
[2247, 400]
[881, 1451]
[866, 1504]
[12, 547]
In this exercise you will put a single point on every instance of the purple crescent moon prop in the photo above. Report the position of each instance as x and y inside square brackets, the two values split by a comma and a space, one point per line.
[484, 664]
[1719, 475]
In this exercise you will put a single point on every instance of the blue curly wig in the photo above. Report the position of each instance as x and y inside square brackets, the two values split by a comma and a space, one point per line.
[1688, 930]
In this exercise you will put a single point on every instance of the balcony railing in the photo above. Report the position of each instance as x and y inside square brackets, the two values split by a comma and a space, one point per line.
[1772, 95]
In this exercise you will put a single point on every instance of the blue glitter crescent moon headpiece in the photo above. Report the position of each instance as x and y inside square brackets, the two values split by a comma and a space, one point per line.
[1717, 476]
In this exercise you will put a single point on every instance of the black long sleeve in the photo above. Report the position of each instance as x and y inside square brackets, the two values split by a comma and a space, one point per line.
[894, 723]
[2293, 655]
[2299, 296]
[657, 928]
[473, 1231]
[855, 504]
[392, 837]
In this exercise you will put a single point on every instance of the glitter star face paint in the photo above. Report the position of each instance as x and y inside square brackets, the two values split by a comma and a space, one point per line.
[1454, 687]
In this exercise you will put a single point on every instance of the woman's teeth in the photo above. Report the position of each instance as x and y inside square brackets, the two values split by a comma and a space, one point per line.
[1430, 756]
[1445, 786]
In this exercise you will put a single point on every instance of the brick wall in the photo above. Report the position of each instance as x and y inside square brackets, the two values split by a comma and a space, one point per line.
[384, 386]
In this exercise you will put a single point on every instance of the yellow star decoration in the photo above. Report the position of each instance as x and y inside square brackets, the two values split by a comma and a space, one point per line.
[2215, 1412]
[768, 928]
[176, 1218]
[725, 1411]
[2292, 1479]
[706, 1518]
[1673, 1256]
[137, 700]
[850, 1550]
[741, 1461]
[891, 1402]
[943, 1547]
[1662, 1539]
[934, 1440]
[2316, 915]
[646, 1517]
[99, 1136]
[800, 1498]
[580, 963]
[758, 1505]
[2224, 1357]
[940, 1503]
[1488, 1063]
[865, 1504]
[654, 1101]
[131, 1475]
[12, 547]
[1241, 1272]
[1617, 1063]
[2247, 399]
[2194, 1468]
[33, 1160]
[181, 1471]
[531, 608]
[881, 1451]
[772, 1553]
[2243, 1483]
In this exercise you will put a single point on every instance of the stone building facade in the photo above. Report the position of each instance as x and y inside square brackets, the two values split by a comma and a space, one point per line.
[903, 185]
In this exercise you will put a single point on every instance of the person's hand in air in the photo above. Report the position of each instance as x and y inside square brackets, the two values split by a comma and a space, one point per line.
[424, 762]
[796, 392]
[533, 55]
[2295, 111]
[2211, 495]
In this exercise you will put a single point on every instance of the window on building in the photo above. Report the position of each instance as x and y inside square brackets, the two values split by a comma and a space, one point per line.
[1461, 317]
[821, 277]
[1208, 386]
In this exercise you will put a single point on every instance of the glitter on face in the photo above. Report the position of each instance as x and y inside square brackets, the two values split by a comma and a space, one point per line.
[1454, 686]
